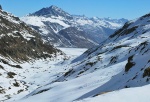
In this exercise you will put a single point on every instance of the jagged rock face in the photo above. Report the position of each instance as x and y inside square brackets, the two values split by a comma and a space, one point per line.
[51, 20]
[19, 41]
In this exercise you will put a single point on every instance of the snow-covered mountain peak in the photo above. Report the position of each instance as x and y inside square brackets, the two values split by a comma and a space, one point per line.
[56, 9]
[52, 11]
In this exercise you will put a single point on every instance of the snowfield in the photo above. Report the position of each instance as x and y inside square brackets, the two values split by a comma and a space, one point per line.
[138, 94]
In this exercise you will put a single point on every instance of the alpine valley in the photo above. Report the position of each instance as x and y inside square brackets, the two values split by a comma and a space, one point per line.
[32, 70]
[65, 30]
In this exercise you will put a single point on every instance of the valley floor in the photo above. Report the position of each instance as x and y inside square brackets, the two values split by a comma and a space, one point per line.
[38, 74]
[45, 82]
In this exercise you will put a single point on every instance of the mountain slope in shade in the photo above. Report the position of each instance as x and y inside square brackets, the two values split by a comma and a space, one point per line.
[122, 61]
[52, 20]
[20, 46]
[19, 41]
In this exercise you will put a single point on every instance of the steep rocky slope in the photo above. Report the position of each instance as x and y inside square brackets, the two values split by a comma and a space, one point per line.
[52, 21]
[19, 44]
[19, 41]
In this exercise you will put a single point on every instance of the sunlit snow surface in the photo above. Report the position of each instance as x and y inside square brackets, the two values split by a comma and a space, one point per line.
[138, 94]
[37, 74]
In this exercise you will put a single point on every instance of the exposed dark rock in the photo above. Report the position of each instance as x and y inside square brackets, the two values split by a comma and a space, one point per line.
[52, 11]
[146, 72]
[130, 64]
[11, 74]
[16, 84]
[16, 44]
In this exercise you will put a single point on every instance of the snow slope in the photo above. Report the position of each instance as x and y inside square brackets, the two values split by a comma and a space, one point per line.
[138, 94]
[120, 62]
[34, 74]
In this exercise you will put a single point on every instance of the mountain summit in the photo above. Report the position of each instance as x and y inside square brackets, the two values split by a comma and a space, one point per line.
[52, 11]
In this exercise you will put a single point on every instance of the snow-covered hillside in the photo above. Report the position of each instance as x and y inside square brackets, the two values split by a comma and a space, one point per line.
[19, 45]
[119, 63]
[63, 29]
[138, 94]
[21, 81]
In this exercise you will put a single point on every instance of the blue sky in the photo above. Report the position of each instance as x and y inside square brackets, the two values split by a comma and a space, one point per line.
[129, 9]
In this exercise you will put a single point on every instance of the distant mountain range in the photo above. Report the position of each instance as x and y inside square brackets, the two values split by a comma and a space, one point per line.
[65, 30]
